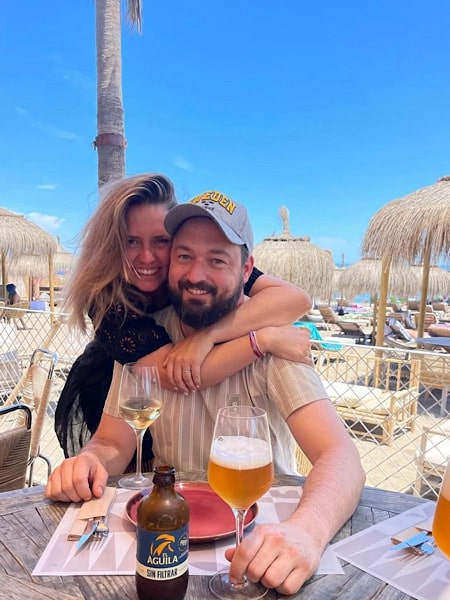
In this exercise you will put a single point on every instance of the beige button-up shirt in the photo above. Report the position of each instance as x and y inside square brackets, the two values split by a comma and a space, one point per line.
[183, 433]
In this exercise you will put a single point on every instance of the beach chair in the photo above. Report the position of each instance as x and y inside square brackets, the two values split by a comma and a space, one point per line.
[353, 329]
[329, 316]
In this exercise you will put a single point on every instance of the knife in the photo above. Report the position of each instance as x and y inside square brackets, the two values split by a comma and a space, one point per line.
[412, 542]
[87, 536]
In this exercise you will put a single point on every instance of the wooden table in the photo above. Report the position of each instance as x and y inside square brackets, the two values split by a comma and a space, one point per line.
[442, 342]
[28, 520]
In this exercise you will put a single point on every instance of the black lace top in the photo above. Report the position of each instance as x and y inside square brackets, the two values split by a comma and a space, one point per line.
[80, 405]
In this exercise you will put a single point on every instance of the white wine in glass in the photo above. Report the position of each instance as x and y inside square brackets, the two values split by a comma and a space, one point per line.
[140, 404]
[240, 471]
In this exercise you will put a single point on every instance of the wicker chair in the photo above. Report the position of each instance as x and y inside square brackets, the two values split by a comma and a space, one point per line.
[16, 312]
[33, 389]
[15, 440]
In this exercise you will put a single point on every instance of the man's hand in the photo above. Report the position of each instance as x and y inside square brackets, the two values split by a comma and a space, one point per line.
[282, 556]
[80, 478]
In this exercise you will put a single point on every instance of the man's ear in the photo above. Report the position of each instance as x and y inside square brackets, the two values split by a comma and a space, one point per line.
[248, 268]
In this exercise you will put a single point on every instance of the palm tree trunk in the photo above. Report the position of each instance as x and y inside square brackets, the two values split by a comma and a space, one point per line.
[110, 141]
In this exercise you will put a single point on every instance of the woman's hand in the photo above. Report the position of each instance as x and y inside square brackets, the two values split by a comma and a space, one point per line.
[289, 342]
[184, 361]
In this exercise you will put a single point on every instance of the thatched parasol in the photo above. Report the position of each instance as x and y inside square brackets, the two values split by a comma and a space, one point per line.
[364, 276]
[36, 265]
[438, 280]
[296, 260]
[415, 228]
[20, 236]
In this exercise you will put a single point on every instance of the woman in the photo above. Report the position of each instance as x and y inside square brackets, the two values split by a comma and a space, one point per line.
[13, 296]
[120, 278]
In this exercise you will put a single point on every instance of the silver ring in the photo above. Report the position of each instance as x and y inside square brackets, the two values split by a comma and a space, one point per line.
[186, 371]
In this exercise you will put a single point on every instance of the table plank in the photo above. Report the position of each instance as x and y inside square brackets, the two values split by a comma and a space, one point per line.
[28, 520]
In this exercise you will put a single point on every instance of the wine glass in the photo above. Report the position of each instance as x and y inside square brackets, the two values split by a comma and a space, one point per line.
[140, 403]
[240, 471]
[441, 528]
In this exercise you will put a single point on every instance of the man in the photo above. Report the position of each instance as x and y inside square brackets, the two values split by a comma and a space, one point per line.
[210, 261]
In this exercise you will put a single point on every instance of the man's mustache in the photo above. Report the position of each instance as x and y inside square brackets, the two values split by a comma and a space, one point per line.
[201, 286]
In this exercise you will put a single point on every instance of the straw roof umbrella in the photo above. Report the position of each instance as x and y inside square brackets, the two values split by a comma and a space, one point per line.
[296, 260]
[36, 265]
[438, 280]
[364, 276]
[20, 236]
[413, 228]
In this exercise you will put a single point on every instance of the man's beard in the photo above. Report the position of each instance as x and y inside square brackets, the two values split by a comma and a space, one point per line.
[195, 313]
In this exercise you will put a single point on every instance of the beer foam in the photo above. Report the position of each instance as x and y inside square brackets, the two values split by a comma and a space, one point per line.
[240, 452]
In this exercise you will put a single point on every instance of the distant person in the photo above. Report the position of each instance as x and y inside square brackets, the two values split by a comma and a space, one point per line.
[13, 298]
[12, 295]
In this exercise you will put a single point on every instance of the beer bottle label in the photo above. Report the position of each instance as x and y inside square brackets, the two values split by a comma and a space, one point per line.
[162, 556]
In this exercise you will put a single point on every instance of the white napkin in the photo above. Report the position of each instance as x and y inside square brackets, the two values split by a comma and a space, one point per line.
[97, 507]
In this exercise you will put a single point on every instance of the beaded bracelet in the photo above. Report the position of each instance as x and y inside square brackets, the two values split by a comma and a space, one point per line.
[254, 344]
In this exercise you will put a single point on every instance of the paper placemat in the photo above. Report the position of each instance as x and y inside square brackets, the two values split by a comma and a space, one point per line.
[116, 555]
[422, 577]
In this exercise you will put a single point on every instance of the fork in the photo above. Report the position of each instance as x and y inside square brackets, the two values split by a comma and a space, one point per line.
[425, 549]
[102, 529]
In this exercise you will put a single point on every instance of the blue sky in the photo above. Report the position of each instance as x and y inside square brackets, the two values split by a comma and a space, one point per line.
[330, 108]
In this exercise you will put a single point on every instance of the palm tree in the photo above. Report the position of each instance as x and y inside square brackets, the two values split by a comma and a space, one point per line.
[110, 141]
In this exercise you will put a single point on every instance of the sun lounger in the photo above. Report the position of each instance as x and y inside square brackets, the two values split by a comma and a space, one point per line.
[353, 329]
[376, 396]
[389, 410]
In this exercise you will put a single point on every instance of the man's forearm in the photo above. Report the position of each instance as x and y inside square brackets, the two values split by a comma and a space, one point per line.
[330, 494]
[286, 301]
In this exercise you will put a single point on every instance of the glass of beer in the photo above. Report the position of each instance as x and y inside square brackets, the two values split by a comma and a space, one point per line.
[441, 521]
[140, 404]
[240, 471]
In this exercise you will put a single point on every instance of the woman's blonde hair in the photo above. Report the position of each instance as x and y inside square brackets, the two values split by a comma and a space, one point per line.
[99, 280]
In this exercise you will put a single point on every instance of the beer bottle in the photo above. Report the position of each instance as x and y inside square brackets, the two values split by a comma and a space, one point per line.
[162, 540]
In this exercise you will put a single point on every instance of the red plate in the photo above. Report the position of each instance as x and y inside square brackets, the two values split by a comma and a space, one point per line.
[211, 518]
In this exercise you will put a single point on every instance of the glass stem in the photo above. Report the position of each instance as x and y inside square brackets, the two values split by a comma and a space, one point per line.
[239, 515]
[139, 438]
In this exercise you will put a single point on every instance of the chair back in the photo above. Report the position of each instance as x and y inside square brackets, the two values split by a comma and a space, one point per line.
[328, 314]
[15, 440]
[17, 310]
[413, 305]
[34, 389]
[429, 319]
[396, 307]
[440, 307]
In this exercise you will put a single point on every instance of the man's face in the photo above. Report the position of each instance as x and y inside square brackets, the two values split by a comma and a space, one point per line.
[206, 274]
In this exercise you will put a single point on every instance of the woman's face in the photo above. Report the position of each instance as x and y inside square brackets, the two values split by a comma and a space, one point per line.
[148, 246]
